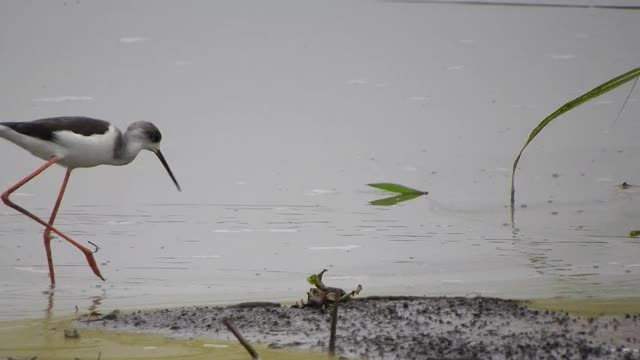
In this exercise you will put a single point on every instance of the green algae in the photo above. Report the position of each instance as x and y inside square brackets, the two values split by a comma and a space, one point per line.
[45, 339]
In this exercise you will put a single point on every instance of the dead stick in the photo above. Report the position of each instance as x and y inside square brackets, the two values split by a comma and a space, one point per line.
[351, 294]
[334, 323]
[97, 247]
[232, 327]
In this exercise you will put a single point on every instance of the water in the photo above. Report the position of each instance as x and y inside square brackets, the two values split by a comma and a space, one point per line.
[275, 116]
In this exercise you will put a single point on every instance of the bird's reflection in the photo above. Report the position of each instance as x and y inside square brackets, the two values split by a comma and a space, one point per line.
[96, 301]
[48, 313]
[93, 308]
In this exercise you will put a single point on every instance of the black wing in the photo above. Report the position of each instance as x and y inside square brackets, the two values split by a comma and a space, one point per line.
[45, 128]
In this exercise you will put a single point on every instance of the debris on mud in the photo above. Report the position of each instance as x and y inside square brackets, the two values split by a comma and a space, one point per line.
[322, 295]
[71, 334]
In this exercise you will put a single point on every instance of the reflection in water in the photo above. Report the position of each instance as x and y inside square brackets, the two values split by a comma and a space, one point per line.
[48, 313]
[393, 200]
[95, 303]
[52, 337]
[557, 257]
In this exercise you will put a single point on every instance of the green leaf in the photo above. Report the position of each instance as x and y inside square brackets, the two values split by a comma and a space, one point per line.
[395, 199]
[634, 233]
[397, 188]
[595, 92]
[313, 280]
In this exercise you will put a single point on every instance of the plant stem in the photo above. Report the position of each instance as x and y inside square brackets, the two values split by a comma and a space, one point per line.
[232, 327]
[334, 323]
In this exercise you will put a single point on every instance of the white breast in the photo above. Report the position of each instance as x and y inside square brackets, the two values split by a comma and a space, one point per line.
[87, 151]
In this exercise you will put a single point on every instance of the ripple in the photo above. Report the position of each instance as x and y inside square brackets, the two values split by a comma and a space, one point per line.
[57, 99]
[563, 56]
[342, 247]
[133, 39]
[30, 269]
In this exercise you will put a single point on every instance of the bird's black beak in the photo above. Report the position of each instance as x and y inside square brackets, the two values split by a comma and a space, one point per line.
[166, 166]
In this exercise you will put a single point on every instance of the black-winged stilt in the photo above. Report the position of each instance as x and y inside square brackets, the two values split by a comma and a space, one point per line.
[77, 142]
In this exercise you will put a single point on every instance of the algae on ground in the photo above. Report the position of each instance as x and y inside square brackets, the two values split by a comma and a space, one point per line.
[45, 339]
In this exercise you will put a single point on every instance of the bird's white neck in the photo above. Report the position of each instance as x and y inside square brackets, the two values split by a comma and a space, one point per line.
[126, 148]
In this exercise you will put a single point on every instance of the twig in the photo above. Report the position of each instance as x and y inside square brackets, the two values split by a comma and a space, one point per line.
[97, 247]
[99, 355]
[334, 323]
[232, 327]
[354, 292]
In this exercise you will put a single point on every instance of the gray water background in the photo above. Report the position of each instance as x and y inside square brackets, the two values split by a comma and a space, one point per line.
[275, 116]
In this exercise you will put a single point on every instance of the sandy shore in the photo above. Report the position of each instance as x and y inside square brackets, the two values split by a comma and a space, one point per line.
[403, 328]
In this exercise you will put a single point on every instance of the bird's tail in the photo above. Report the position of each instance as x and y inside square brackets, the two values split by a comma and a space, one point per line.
[3, 130]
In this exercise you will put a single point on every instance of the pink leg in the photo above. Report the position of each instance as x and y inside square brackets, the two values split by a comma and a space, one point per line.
[47, 231]
[5, 198]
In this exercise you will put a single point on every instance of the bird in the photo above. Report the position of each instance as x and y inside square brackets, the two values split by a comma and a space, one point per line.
[77, 142]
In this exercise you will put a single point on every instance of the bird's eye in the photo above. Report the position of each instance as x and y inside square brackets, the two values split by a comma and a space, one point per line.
[154, 138]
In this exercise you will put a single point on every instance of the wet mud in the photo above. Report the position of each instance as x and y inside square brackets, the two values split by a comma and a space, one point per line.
[402, 328]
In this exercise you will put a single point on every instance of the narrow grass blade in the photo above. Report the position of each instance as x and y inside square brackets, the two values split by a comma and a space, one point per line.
[595, 92]
[395, 199]
[397, 188]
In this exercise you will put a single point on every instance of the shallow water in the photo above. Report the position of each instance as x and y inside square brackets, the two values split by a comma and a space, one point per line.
[25, 339]
[276, 115]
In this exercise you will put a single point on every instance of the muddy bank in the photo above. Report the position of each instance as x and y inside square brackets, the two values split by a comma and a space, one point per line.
[403, 328]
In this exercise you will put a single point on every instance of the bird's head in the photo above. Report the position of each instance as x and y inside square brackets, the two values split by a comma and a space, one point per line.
[148, 137]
